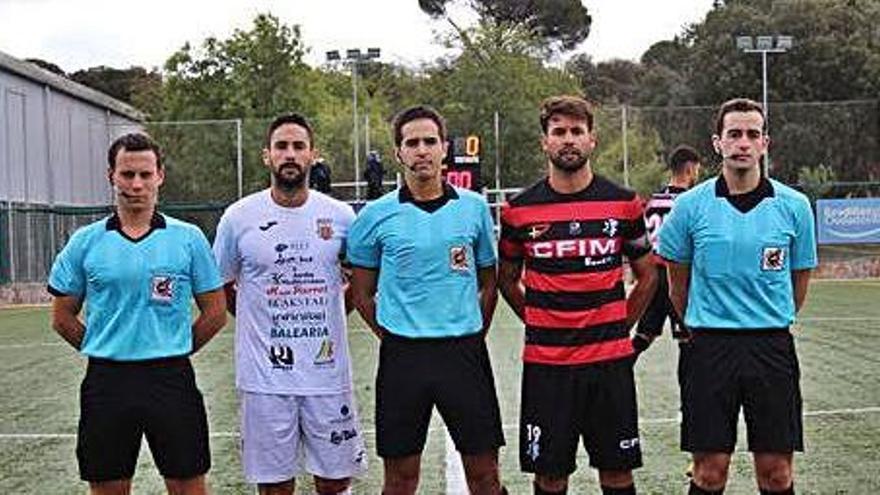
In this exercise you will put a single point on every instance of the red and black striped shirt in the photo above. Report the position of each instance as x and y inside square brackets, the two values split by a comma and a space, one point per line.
[572, 247]
[656, 210]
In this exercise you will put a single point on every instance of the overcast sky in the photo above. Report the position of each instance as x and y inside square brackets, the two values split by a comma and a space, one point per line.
[76, 34]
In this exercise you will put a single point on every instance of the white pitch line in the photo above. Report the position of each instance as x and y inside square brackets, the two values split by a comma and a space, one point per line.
[455, 480]
[26, 346]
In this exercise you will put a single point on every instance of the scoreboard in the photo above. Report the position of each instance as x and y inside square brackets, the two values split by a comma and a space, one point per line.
[462, 164]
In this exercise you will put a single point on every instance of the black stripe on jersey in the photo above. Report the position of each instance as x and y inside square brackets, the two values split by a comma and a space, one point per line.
[571, 301]
[576, 229]
[571, 265]
[566, 337]
[600, 189]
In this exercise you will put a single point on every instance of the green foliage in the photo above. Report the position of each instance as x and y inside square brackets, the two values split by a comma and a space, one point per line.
[645, 170]
[562, 23]
[130, 85]
[816, 182]
[507, 78]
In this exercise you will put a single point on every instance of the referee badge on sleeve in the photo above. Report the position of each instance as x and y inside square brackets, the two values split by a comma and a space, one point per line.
[773, 259]
[162, 288]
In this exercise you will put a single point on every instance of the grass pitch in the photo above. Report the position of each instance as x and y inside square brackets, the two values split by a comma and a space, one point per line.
[838, 344]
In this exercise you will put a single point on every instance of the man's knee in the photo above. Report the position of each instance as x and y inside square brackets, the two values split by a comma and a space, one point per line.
[326, 486]
[281, 488]
[550, 484]
[481, 471]
[710, 470]
[115, 487]
[773, 471]
[401, 475]
[189, 486]
[616, 479]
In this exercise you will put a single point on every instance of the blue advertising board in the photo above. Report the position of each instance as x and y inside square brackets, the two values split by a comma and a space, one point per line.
[848, 221]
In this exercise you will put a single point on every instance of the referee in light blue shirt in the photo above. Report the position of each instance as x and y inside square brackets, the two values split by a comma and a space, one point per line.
[429, 250]
[740, 249]
[137, 273]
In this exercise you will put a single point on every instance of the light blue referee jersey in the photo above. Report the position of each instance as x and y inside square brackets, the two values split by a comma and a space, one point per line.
[427, 261]
[741, 263]
[138, 293]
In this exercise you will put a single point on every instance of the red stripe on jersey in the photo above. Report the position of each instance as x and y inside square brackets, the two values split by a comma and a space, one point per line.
[585, 354]
[517, 216]
[554, 318]
[510, 249]
[573, 282]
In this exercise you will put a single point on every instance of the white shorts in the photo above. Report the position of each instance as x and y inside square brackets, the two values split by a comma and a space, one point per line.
[279, 432]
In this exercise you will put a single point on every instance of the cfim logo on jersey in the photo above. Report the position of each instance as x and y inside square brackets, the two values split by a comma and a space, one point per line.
[162, 288]
[325, 228]
[773, 259]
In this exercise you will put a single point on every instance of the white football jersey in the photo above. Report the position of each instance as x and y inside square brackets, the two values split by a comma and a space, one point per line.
[290, 335]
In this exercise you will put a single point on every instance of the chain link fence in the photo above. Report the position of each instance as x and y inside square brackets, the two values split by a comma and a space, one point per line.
[828, 150]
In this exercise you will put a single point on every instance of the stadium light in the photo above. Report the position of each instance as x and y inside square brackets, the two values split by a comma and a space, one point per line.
[353, 57]
[764, 45]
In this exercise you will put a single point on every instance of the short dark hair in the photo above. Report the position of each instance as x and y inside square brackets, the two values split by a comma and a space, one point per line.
[133, 141]
[290, 118]
[738, 105]
[568, 105]
[415, 113]
[680, 156]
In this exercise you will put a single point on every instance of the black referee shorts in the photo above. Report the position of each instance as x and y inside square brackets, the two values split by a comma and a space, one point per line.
[452, 373]
[723, 371]
[122, 401]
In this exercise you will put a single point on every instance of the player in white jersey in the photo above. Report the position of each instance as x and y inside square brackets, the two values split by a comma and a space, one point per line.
[280, 253]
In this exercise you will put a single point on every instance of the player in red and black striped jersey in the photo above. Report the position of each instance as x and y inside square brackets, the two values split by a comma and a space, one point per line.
[684, 165]
[563, 241]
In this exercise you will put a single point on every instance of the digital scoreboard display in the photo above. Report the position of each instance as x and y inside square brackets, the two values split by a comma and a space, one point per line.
[462, 164]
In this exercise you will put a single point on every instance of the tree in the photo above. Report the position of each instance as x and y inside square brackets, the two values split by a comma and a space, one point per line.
[564, 23]
[253, 75]
[508, 79]
[130, 85]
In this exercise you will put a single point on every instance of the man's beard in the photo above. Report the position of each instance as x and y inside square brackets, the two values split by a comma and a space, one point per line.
[289, 183]
[570, 162]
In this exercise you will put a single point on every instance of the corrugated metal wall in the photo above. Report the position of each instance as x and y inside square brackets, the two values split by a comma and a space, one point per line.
[52, 146]
[53, 150]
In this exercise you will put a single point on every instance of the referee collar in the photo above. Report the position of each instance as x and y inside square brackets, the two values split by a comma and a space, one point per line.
[157, 221]
[744, 202]
[404, 195]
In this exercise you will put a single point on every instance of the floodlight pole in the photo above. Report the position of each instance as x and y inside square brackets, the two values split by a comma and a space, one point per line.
[764, 46]
[353, 57]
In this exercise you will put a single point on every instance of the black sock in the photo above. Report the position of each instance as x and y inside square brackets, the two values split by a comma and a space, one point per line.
[696, 490]
[539, 491]
[787, 491]
[630, 490]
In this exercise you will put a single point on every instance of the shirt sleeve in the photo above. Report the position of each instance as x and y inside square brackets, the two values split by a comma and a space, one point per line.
[676, 243]
[635, 242]
[485, 248]
[510, 247]
[803, 250]
[363, 248]
[226, 249]
[68, 275]
[203, 269]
